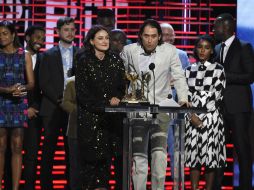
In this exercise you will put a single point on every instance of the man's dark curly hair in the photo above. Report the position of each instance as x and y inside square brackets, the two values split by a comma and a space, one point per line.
[152, 23]
[62, 21]
[30, 30]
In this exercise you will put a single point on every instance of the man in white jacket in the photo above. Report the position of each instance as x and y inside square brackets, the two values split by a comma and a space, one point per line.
[137, 57]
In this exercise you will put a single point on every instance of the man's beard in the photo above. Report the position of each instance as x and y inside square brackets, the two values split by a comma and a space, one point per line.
[35, 50]
[67, 41]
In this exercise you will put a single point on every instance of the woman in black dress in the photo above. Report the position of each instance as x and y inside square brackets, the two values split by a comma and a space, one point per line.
[99, 82]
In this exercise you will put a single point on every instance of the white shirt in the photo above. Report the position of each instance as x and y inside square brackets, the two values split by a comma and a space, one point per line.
[67, 59]
[145, 60]
[34, 57]
[228, 43]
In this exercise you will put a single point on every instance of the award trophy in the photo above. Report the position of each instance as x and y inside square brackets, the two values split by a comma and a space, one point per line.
[144, 83]
[131, 98]
[136, 95]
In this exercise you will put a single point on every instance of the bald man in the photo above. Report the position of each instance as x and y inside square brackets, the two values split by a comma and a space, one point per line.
[168, 36]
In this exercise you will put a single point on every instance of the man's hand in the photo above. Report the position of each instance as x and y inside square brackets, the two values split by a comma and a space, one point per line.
[114, 101]
[171, 82]
[186, 104]
[59, 101]
[31, 112]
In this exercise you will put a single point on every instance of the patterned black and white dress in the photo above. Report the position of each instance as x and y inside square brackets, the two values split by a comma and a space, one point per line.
[205, 146]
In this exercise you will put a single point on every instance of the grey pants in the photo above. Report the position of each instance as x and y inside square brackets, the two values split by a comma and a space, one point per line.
[143, 131]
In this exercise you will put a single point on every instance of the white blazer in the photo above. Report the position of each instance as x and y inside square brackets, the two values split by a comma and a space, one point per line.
[167, 65]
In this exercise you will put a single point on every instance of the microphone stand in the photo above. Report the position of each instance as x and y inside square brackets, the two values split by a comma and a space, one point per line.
[153, 88]
[154, 108]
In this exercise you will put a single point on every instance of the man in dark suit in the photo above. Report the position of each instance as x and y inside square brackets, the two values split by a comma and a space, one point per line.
[35, 37]
[56, 65]
[237, 57]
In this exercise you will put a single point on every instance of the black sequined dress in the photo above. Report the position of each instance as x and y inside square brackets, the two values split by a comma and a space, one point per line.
[97, 81]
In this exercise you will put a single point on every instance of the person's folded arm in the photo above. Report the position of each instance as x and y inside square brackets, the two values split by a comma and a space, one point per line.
[84, 90]
[120, 81]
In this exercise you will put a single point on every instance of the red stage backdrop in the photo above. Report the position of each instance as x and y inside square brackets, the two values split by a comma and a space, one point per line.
[190, 18]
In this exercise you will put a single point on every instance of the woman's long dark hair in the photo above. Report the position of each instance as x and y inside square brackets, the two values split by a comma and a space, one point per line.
[88, 48]
[211, 41]
[11, 27]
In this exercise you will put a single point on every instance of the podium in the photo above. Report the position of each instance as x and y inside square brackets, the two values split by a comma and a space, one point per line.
[176, 113]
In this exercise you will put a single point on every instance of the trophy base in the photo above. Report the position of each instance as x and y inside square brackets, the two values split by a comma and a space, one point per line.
[129, 100]
[135, 103]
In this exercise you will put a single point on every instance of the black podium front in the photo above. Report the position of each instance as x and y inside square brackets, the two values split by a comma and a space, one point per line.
[176, 113]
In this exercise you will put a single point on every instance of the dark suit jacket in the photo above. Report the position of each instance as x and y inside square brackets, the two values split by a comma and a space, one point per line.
[51, 80]
[239, 69]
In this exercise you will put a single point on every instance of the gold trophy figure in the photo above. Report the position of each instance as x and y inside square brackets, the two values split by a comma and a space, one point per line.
[131, 98]
[136, 95]
[145, 82]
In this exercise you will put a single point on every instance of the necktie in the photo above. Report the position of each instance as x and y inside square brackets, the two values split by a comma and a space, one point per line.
[221, 52]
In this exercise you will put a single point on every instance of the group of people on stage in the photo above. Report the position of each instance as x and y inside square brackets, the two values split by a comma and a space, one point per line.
[66, 88]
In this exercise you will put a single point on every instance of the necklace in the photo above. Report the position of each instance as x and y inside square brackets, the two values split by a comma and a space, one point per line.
[101, 57]
[13, 50]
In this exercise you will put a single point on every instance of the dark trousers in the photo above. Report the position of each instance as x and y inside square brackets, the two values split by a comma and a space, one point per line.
[118, 163]
[52, 126]
[117, 143]
[31, 146]
[239, 124]
[75, 181]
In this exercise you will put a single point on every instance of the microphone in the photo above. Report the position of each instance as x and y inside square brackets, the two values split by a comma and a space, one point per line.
[170, 96]
[151, 67]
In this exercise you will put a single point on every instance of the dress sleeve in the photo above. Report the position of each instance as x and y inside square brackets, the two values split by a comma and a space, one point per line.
[120, 81]
[84, 89]
[211, 99]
